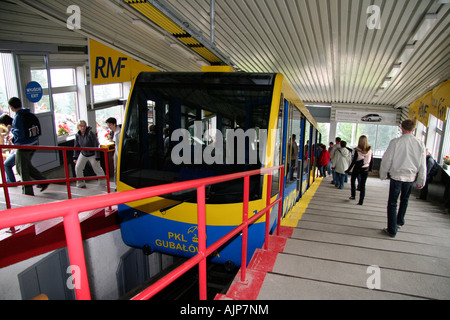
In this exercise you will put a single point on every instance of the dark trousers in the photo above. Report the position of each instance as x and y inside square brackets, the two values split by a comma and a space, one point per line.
[362, 178]
[424, 191]
[26, 170]
[397, 218]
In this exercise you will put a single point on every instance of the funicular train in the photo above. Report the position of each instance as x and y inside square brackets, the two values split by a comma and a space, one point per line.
[179, 127]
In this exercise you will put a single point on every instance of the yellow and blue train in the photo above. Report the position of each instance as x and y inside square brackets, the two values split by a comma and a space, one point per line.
[163, 105]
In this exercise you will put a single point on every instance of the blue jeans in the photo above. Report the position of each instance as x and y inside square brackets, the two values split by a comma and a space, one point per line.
[396, 189]
[9, 163]
[340, 178]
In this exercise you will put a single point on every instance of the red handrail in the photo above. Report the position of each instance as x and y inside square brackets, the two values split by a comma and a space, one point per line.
[69, 210]
[67, 178]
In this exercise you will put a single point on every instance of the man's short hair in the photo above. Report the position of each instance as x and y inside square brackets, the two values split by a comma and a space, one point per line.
[408, 125]
[111, 120]
[343, 144]
[338, 139]
[15, 103]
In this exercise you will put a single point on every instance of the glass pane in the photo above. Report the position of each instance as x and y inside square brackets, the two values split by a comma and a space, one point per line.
[100, 118]
[172, 102]
[384, 137]
[62, 77]
[65, 112]
[345, 132]
[369, 130]
[34, 68]
[107, 92]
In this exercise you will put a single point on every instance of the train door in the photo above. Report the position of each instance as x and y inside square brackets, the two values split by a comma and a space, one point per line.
[301, 152]
[284, 160]
[291, 141]
[306, 156]
[313, 159]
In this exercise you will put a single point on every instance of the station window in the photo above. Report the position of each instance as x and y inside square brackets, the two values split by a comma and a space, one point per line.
[379, 136]
[446, 139]
[107, 92]
[65, 100]
[435, 134]
[108, 102]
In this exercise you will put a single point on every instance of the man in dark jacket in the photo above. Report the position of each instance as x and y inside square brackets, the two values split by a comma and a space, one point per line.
[86, 138]
[23, 157]
[430, 173]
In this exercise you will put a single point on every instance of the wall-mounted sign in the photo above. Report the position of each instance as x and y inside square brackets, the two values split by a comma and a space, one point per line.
[435, 102]
[367, 117]
[34, 92]
[111, 66]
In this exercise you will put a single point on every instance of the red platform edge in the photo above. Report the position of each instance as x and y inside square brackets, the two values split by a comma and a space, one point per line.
[262, 262]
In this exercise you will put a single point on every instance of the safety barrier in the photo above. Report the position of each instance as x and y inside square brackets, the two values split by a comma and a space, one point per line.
[69, 210]
[67, 180]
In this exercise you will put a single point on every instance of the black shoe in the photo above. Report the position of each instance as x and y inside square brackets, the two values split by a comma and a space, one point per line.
[360, 204]
[388, 233]
[351, 198]
[44, 187]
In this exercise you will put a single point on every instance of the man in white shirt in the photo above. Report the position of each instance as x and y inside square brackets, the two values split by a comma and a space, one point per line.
[405, 163]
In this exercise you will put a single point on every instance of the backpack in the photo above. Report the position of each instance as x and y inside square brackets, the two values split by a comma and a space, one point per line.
[31, 125]
[434, 169]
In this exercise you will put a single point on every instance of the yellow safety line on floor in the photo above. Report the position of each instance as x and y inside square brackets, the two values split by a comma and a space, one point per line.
[294, 216]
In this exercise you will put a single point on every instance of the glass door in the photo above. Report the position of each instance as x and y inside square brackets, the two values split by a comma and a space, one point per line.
[35, 92]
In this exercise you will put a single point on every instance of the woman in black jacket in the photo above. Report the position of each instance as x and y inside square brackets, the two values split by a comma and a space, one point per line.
[86, 138]
[360, 166]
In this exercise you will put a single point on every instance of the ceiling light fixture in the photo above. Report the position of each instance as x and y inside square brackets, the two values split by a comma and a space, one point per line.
[114, 6]
[141, 24]
[407, 52]
[182, 50]
[386, 82]
[395, 70]
[202, 62]
[425, 26]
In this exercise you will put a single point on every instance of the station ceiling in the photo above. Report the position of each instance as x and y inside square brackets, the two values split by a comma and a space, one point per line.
[333, 52]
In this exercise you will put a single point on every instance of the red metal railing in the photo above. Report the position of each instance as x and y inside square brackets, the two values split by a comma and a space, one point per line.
[70, 209]
[67, 180]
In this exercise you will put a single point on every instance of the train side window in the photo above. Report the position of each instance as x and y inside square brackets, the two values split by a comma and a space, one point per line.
[278, 146]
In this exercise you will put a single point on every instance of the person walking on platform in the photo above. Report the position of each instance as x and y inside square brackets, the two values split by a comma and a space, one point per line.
[405, 163]
[336, 146]
[342, 159]
[25, 131]
[116, 130]
[323, 161]
[86, 138]
[360, 167]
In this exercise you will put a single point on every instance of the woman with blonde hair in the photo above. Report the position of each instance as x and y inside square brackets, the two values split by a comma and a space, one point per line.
[360, 166]
[86, 138]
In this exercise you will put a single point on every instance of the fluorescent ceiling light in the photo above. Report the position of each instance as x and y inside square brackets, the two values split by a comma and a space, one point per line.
[425, 26]
[407, 52]
[141, 24]
[202, 63]
[395, 70]
[114, 6]
[318, 105]
[386, 82]
[182, 50]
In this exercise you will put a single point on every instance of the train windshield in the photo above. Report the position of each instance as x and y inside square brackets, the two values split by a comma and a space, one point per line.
[184, 126]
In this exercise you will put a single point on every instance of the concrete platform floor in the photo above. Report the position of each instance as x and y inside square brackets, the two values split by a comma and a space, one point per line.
[338, 251]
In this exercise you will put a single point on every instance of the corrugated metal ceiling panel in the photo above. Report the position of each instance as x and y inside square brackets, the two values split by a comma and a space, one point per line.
[323, 47]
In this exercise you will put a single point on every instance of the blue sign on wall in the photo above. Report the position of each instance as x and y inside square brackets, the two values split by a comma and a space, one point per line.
[34, 92]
